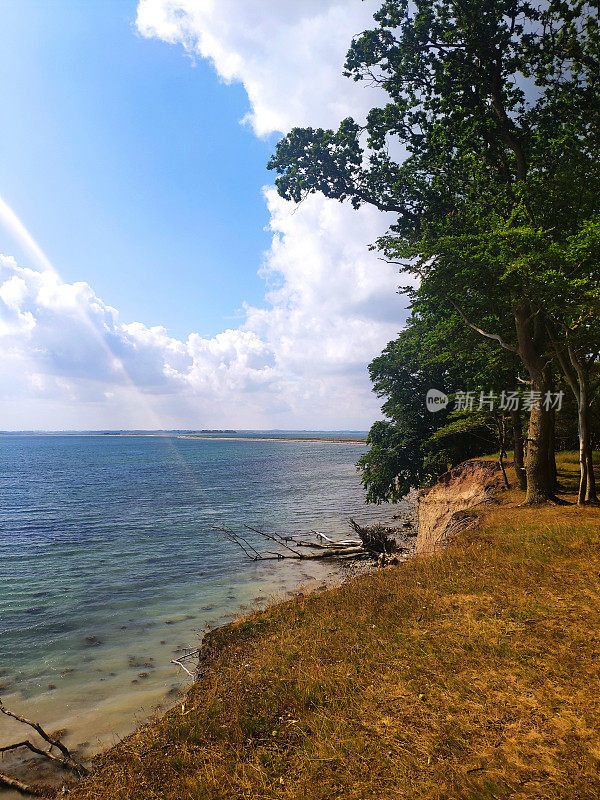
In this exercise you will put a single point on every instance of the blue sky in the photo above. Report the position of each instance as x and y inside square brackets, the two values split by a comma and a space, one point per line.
[179, 291]
[129, 164]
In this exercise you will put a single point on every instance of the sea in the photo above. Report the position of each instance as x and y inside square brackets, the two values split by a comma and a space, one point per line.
[113, 564]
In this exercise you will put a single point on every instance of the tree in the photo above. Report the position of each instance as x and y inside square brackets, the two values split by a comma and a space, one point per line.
[412, 447]
[574, 329]
[395, 462]
[495, 104]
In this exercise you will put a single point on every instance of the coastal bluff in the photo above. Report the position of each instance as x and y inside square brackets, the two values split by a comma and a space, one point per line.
[466, 660]
[448, 507]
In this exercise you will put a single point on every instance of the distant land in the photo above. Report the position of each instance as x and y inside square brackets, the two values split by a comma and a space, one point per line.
[210, 433]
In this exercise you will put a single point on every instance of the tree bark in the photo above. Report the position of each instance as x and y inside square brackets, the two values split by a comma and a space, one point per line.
[519, 459]
[552, 453]
[540, 485]
[582, 425]
[591, 496]
[501, 423]
[587, 481]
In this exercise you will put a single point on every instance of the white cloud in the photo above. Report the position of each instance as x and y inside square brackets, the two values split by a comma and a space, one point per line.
[297, 362]
[330, 305]
[289, 54]
[71, 334]
[335, 303]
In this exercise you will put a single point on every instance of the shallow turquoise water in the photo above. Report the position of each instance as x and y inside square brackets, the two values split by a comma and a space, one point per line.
[112, 538]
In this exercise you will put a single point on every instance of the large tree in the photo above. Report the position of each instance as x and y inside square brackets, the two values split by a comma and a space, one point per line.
[493, 109]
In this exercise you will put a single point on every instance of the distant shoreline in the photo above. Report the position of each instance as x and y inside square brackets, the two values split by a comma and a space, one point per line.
[174, 435]
[272, 438]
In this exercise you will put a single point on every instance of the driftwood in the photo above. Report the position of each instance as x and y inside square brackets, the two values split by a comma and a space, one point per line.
[192, 655]
[63, 757]
[372, 542]
[19, 786]
[375, 539]
[183, 667]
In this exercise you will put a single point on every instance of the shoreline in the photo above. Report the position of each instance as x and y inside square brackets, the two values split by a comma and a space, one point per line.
[442, 676]
[272, 439]
[137, 715]
[131, 713]
[80, 678]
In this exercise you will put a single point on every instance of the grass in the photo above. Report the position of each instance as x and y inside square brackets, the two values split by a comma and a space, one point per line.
[471, 674]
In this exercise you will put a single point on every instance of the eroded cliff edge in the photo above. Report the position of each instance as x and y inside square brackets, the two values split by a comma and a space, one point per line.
[448, 507]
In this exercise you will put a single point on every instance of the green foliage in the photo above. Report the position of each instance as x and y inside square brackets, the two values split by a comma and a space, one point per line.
[414, 446]
[394, 462]
[494, 103]
[494, 108]
[492, 111]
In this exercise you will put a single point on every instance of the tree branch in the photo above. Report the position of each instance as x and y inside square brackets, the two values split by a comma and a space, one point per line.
[19, 786]
[495, 336]
[67, 759]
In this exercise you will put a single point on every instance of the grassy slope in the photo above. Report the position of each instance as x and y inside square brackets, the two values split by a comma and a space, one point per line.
[472, 674]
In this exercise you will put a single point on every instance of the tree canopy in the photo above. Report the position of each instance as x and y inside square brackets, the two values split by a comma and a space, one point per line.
[487, 152]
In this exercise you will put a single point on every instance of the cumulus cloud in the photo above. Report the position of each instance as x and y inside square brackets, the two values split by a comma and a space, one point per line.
[66, 331]
[299, 360]
[330, 304]
[288, 54]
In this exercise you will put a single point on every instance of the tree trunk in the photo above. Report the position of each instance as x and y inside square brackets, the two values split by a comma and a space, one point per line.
[540, 482]
[501, 422]
[552, 453]
[587, 482]
[540, 485]
[519, 450]
[503, 470]
[591, 496]
[583, 447]
[578, 377]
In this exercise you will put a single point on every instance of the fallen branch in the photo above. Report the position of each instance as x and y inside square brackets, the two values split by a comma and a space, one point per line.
[66, 760]
[274, 538]
[19, 786]
[177, 661]
[63, 759]
[30, 746]
[344, 541]
[373, 542]
[241, 542]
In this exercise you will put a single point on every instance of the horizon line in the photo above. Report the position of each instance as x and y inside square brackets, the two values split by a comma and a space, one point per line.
[184, 430]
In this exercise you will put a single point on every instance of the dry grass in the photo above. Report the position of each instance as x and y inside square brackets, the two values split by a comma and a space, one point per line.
[472, 674]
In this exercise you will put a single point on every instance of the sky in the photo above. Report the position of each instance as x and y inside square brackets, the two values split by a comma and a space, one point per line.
[150, 275]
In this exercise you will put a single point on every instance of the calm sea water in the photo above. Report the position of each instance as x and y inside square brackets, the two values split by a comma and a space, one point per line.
[110, 564]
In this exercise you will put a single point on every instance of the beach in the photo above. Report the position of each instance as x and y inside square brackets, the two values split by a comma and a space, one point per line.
[112, 567]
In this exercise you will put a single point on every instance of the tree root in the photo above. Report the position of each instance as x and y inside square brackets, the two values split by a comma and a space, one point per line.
[545, 501]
